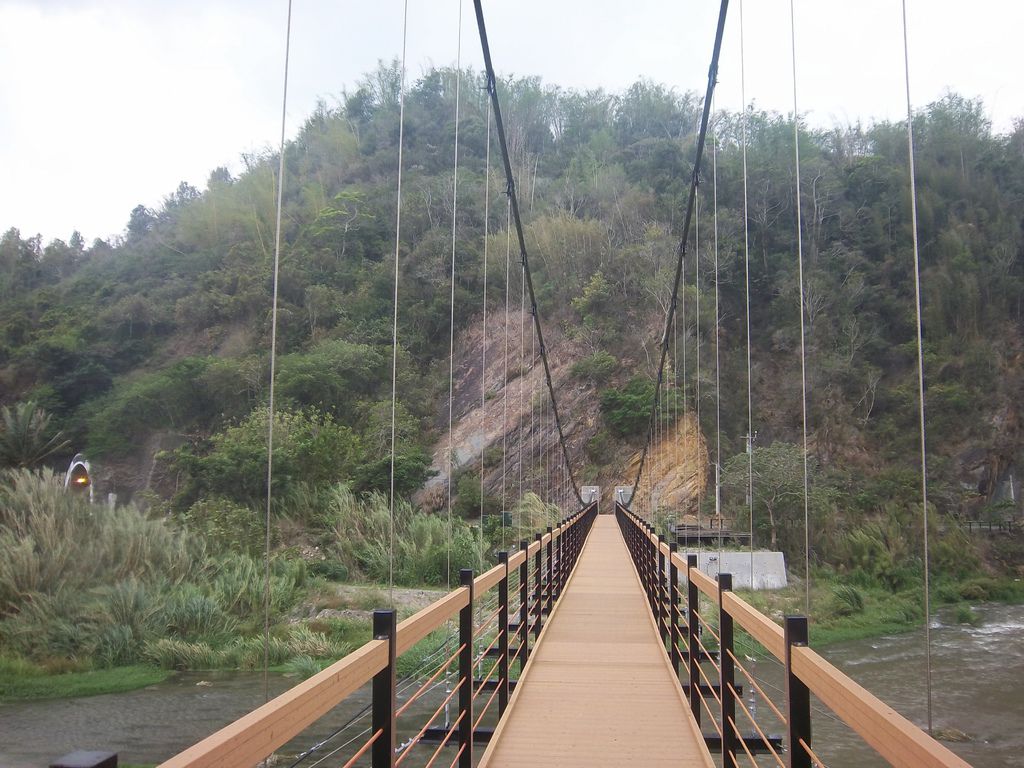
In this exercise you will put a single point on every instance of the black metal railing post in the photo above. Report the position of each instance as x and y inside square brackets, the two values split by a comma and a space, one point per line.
[652, 568]
[538, 587]
[692, 630]
[503, 644]
[382, 753]
[560, 557]
[727, 679]
[524, 605]
[662, 615]
[673, 610]
[466, 673]
[551, 571]
[798, 698]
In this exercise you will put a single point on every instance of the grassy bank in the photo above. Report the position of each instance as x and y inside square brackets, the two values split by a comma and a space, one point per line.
[842, 611]
[20, 681]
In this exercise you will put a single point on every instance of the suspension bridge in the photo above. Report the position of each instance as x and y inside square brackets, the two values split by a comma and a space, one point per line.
[597, 642]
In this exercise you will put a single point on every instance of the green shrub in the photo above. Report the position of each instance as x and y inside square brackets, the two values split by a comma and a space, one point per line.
[191, 614]
[309, 447]
[362, 540]
[227, 525]
[173, 653]
[627, 411]
[597, 368]
[848, 599]
[332, 570]
[303, 666]
[966, 615]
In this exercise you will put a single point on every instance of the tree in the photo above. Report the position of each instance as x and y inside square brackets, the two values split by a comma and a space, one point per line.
[26, 437]
[309, 447]
[778, 492]
[140, 222]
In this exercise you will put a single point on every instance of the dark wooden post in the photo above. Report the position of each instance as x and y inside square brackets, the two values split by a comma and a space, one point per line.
[503, 643]
[673, 610]
[524, 605]
[466, 673]
[727, 678]
[692, 628]
[798, 698]
[382, 753]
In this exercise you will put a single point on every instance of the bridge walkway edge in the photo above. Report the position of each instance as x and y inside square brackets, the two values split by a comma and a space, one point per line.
[599, 689]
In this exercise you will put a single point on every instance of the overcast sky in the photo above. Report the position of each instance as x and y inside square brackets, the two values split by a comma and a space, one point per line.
[105, 104]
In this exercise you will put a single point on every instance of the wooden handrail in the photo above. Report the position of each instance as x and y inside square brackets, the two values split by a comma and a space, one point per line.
[704, 583]
[891, 735]
[760, 627]
[425, 621]
[488, 579]
[251, 738]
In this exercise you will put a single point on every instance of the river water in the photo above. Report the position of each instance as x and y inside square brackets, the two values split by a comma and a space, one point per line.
[978, 689]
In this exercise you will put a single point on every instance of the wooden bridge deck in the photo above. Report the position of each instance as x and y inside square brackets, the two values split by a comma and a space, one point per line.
[599, 689]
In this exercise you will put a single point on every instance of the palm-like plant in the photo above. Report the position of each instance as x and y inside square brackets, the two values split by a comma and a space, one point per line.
[26, 438]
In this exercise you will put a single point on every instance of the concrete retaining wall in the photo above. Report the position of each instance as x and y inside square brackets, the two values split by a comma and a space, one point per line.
[769, 568]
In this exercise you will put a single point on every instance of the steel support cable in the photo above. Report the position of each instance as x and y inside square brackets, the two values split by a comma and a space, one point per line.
[451, 317]
[920, 375]
[458, 754]
[746, 296]
[742, 741]
[757, 728]
[483, 327]
[419, 692]
[803, 342]
[711, 712]
[818, 762]
[753, 682]
[273, 362]
[718, 346]
[362, 750]
[354, 719]
[681, 251]
[504, 376]
[444, 742]
[407, 749]
[522, 386]
[696, 339]
[514, 204]
[394, 325]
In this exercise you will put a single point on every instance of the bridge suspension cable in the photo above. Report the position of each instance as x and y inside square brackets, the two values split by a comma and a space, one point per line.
[451, 317]
[718, 343]
[273, 361]
[683, 242]
[513, 202]
[920, 374]
[394, 326]
[483, 327]
[746, 297]
[803, 344]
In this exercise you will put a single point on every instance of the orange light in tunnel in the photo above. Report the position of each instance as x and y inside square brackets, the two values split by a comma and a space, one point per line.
[82, 480]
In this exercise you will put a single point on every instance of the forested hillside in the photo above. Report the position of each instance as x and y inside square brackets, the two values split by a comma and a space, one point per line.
[151, 353]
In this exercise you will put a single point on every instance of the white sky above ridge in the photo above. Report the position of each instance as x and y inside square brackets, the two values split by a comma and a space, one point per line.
[108, 103]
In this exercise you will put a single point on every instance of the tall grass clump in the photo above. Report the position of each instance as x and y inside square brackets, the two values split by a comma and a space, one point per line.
[89, 585]
[361, 539]
[54, 540]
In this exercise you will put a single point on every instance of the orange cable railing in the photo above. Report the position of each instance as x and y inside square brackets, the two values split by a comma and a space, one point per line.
[659, 567]
[255, 736]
